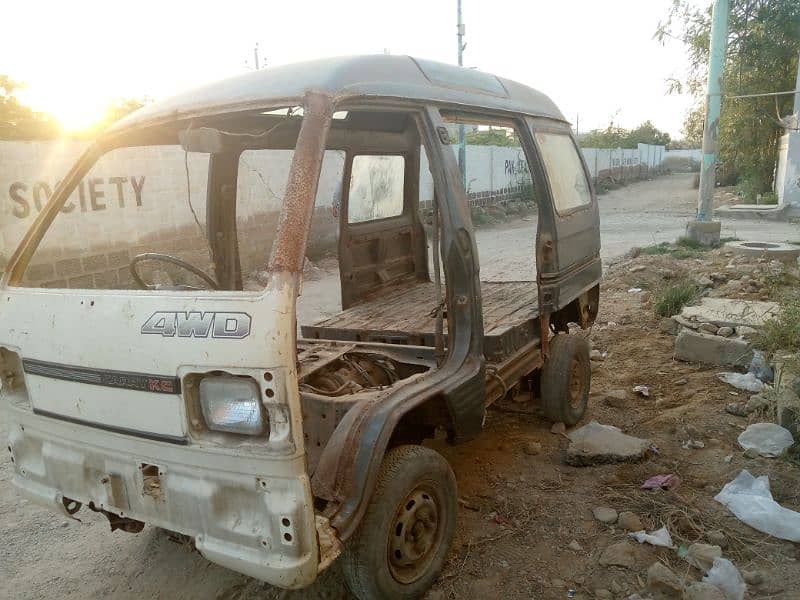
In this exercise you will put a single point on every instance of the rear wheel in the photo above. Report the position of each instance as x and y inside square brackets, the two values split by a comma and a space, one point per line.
[565, 380]
[403, 539]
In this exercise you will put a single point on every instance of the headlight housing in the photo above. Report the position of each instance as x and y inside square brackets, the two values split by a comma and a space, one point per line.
[232, 405]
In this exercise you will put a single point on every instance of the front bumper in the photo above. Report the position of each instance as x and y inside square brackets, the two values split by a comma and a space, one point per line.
[248, 513]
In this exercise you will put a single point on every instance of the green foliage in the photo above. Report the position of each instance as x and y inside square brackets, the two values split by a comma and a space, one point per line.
[618, 137]
[687, 242]
[672, 298]
[783, 332]
[763, 45]
[657, 249]
[492, 137]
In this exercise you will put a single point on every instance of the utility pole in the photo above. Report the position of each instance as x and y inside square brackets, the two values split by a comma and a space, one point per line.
[703, 229]
[462, 142]
[255, 55]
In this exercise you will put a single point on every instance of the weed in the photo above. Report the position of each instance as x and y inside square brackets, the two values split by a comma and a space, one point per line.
[782, 332]
[671, 299]
[662, 248]
[732, 238]
[687, 242]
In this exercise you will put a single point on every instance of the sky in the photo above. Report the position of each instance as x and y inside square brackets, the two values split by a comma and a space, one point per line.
[597, 60]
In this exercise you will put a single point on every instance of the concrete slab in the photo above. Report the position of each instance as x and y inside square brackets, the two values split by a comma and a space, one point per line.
[727, 312]
[712, 349]
[600, 444]
[786, 253]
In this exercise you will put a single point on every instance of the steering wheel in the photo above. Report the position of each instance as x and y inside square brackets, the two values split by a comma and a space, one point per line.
[140, 258]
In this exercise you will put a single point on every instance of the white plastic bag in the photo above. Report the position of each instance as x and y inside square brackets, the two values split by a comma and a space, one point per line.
[769, 439]
[660, 537]
[750, 500]
[727, 578]
[742, 381]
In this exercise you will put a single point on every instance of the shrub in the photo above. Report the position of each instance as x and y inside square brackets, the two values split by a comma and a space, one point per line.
[671, 299]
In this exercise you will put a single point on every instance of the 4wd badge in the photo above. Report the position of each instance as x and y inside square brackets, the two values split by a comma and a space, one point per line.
[223, 325]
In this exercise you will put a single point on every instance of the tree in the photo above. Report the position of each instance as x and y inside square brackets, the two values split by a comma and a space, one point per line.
[618, 137]
[18, 121]
[494, 136]
[763, 45]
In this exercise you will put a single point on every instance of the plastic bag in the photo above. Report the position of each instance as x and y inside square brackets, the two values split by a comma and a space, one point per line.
[750, 500]
[660, 537]
[746, 381]
[760, 367]
[727, 578]
[769, 439]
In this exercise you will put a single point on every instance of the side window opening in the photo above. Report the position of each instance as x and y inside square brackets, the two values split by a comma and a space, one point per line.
[565, 171]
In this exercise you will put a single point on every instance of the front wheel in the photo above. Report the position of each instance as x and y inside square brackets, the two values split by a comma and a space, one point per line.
[566, 376]
[402, 542]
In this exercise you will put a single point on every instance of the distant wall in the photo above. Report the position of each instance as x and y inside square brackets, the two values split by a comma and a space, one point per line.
[132, 202]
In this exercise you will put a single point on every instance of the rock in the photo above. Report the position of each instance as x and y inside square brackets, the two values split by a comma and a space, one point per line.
[532, 448]
[756, 402]
[661, 580]
[575, 546]
[746, 332]
[731, 313]
[736, 408]
[753, 577]
[620, 554]
[630, 521]
[669, 325]
[681, 381]
[701, 590]
[702, 556]
[708, 328]
[703, 281]
[596, 355]
[605, 514]
[616, 398]
[718, 277]
[751, 453]
[558, 428]
[666, 273]
[638, 269]
[712, 349]
[595, 443]
[685, 322]
[725, 331]
[717, 538]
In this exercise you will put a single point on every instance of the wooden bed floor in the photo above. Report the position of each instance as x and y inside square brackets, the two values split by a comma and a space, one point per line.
[410, 310]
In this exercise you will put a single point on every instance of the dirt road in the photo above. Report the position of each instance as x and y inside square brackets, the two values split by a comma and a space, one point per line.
[527, 509]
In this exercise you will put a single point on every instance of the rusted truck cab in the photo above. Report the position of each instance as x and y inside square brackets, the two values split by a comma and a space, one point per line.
[185, 392]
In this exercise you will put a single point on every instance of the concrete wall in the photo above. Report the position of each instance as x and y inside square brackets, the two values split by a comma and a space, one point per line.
[136, 201]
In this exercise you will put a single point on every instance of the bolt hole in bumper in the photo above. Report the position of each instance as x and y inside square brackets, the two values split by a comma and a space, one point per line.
[262, 526]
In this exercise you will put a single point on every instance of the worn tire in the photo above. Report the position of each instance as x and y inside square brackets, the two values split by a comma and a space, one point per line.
[565, 380]
[407, 472]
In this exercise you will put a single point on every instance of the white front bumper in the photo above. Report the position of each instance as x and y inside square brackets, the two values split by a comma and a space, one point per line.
[250, 514]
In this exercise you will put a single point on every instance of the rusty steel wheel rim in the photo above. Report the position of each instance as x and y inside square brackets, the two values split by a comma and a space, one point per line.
[576, 384]
[415, 534]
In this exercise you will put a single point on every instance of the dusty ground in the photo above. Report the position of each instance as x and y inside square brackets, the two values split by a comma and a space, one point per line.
[520, 512]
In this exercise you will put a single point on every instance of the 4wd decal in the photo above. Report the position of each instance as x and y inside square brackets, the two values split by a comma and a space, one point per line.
[221, 325]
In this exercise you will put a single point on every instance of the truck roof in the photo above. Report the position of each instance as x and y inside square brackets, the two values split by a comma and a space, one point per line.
[380, 75]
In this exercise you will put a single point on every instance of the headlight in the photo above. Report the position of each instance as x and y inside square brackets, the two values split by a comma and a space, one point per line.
[232, 404]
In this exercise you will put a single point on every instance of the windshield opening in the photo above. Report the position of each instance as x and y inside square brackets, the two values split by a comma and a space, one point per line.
[185, 206]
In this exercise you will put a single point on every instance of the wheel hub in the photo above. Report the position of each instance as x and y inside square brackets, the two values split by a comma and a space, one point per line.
[414, 534]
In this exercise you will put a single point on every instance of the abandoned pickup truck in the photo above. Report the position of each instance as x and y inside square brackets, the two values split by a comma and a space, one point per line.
[156, 365]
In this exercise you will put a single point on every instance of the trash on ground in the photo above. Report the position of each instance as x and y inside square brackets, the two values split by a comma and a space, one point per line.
[727, 578]
[595, 443]
[634, 290]
[662, 482]
[660, 537]
[692, 445]
[760, 367]
[742, 381]
[769, 439]
[642, 390]
[750, 500]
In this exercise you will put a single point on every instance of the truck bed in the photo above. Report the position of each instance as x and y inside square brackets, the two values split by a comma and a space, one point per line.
[407, 316]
